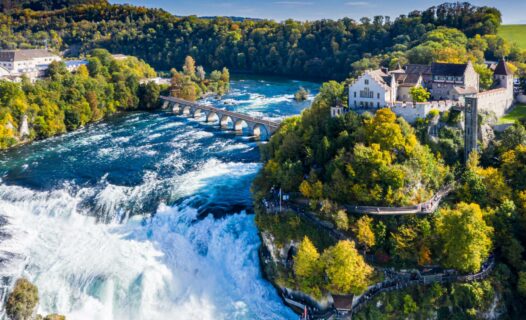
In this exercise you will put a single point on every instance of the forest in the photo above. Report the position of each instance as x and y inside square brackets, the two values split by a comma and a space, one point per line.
[66, 101]
[324, 49]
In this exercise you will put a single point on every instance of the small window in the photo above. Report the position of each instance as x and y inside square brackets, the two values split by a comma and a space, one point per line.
[378, 104]
[366, 81]
[355, 94]
[378, 96]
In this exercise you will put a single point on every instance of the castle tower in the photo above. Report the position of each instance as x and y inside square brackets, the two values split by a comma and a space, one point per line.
[503, 78]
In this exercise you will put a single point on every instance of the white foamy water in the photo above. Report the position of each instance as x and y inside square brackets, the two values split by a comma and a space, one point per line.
[173, 266]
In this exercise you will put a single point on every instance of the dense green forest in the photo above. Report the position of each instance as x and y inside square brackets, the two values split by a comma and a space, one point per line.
[37, 5]
[325, 49]
[65, 101]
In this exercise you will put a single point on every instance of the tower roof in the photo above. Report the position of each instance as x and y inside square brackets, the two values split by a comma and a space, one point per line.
[502, 69]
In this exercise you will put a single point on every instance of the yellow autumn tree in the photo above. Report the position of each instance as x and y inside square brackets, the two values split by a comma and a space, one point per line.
[307, 268]
[345, 269]
[364, 232]
[464, 236]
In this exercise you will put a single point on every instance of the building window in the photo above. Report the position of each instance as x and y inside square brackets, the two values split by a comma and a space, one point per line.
[366, 81]
[378, 104]
[355, 104]
[366, 93]
[355, 94]
[378, 96]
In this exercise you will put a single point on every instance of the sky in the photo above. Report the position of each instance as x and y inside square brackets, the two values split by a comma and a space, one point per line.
[513, 11]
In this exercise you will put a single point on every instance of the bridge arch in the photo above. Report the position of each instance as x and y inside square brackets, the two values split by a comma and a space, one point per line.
[199, 113]
[212, 117]
[176, 108]
[240, 125]
[260, 131]
[227, 122]
[187, 111]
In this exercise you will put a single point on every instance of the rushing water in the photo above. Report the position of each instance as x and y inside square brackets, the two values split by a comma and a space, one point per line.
[143, 216]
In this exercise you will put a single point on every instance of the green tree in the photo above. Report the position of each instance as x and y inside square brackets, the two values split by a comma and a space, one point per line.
[464, 237]
[149, 95]
[419, 94]
[345, 269]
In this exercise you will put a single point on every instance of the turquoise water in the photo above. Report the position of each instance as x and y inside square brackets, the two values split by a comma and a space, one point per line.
[144, 216]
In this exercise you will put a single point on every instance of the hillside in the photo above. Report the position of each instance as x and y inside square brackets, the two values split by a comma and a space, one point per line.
[38, 5]
[515, 33]
[323, 49]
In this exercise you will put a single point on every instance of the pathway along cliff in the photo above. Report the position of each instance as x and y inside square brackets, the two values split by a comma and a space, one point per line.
[144, 216]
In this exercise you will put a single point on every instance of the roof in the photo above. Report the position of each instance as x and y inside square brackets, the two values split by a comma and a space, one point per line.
[502, 69]
[422, 69]
[463, 91]
[22, 55]
[380, 76]
[407, 80]
[342, 302]
[448, 69]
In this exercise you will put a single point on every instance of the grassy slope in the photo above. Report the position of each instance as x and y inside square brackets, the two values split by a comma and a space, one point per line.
[517, 113]
[514, 33]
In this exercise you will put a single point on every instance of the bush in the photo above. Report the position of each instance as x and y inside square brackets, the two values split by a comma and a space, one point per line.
[22, 301]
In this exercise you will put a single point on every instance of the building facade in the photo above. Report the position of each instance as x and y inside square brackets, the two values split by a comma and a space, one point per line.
[449, 85]
[26, 61]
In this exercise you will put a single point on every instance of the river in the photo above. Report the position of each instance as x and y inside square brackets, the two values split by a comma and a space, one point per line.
[144, 215]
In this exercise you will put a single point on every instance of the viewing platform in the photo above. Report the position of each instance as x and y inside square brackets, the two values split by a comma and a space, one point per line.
[229, 120]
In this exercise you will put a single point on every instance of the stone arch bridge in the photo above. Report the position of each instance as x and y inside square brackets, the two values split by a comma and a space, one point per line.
[226, 119]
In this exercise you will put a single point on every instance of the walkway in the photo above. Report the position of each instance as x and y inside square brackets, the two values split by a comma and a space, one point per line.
[427, 207]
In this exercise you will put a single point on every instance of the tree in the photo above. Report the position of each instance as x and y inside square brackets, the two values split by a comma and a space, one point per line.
[307, 267]
[364, 232]
[189, 66]
[301, 94]
[345, 269]
[149, 95]
[342, 220]
[514, 167]
[410, 305]
[521, 284]
[464, 236]
[419, 94]
[22, 301]
[485, 76]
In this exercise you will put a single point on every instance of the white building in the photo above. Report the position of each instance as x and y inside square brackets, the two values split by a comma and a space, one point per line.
[25, 61]
[373, 89]
[448, 84]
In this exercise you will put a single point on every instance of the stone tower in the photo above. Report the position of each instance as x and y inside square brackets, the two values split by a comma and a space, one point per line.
[503, 77]
[470, 126]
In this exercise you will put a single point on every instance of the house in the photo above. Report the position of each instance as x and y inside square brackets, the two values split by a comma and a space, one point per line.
[30, 62]
[373, 89]
[451, 80]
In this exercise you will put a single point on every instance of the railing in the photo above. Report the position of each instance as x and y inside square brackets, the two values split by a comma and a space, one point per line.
[402, 282]
[427, 207]
[233, 114]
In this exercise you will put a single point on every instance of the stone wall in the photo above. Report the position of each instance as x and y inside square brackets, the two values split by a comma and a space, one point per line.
[497, 101]
[412, 111]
